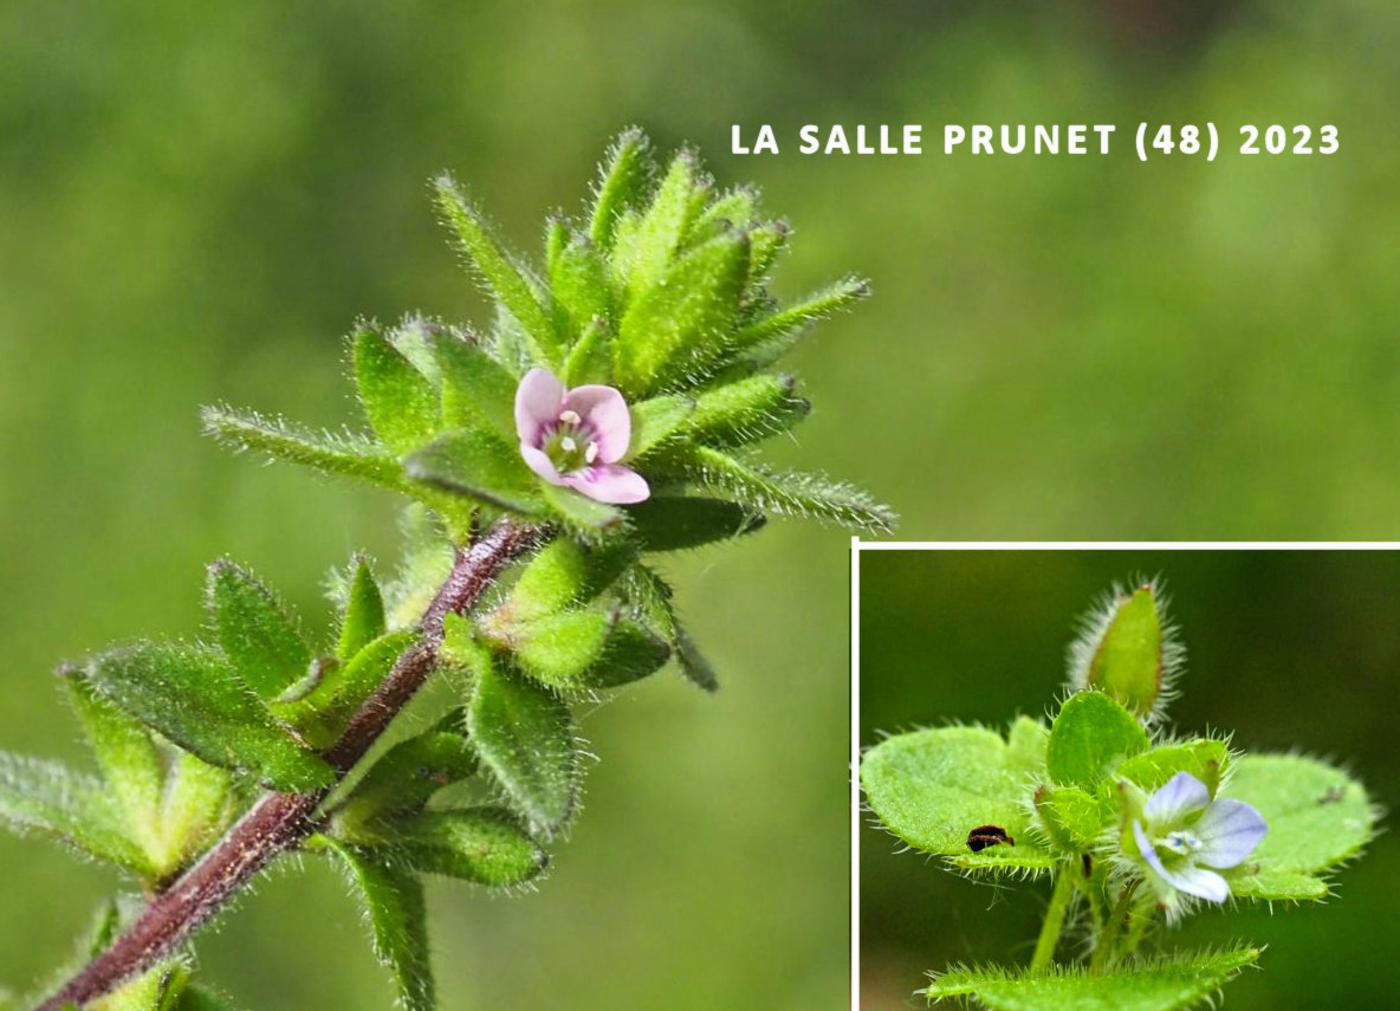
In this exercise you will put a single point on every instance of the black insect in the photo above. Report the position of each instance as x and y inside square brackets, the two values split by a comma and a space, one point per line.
[988, 835]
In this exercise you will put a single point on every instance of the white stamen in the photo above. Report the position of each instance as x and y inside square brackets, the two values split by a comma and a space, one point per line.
[591, 453]
[568, 444]
[569, 417]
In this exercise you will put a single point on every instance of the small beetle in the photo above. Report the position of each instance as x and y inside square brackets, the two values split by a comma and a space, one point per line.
[988, 835]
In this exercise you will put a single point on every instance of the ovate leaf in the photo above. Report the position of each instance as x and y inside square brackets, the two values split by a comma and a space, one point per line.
[524, 736]
[931, 788]
[402, 405]
[552, 580]
[483, 845]
[1092, 733]
[477, 390]
[192, 696]
[1206, 760]
[1125, 655]
[1318, 818]
[558, 648]
[645, 252]
[585, 517]
[405, 778]
[255, 629]
[1167, 983]
[47, 799]
[131, 762]
[393, 900]
[578, 279]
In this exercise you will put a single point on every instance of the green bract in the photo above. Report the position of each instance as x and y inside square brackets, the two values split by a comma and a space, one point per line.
[262, 734]
[1070, 802]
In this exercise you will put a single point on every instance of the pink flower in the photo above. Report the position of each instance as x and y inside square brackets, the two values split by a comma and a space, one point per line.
[575, 437]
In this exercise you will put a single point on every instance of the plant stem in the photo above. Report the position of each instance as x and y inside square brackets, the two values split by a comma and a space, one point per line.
[279, 821]
[1108, 937]
[1054, 920]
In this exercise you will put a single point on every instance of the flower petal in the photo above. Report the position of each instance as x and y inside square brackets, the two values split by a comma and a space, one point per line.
[1193, 880]
[1229, 831]
[1181, 795]
[538, 401]
[539, 461]
[610, 483]
[603, 409]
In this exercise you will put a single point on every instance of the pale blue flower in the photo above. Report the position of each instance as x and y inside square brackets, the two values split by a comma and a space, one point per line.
[1185, 837]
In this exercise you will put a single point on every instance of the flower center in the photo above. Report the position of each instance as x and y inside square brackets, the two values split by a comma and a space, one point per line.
[1181, 842]
[570, 444]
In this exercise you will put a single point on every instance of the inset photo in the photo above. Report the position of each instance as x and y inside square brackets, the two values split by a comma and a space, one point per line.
[1139, 777]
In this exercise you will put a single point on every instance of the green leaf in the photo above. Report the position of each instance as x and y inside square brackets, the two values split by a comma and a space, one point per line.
[364, 620]
[622, 180]
[671, 524]
[524, 736]
[255, 630]
[784, 494]
[557, 649]
[405, 779]
[1204, 759]
[131, 762]
[631, 652]
[193, 697]
[477, 390]
[47, 799]
[590, 359]
[1166, 983]
[147, 992]
[475, 463]
[768, 338]
[931, 788]
[482, 845]
[553, 579]
[197, 807]
[644, 253]
[198, 998]
[1091, 735]
[1027, 742]
[745, 411]
[393, 900]
[1318, 818]
[578, 279]
[650, 595]
[340, 455]
[656, 420]
[679, 327]
[321, 713]
[1071, 817]
[402, 405]
[1125, 653]
[502, 276]
[585, 517]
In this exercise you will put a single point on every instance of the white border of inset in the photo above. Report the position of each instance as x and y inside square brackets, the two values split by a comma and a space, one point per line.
[858, 546]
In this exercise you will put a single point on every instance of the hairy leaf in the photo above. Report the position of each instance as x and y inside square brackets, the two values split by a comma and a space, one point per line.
[393, 900]
[557, 649]
[579, 280]
[785, 494]
[1204, 759]
[475, 463]
[48, 799]
[1127, 661]
[322, 712]
[1166, 983]
[650, 595]
[643, 254]
[931, 788]
[666, 523]
[131, 762]
[255, 630]
[1092, 734]
[1318, 818]
[680, 326]
[192, 696]
[364, 620]
[524, 736]
[501, 275]
[405, 778]
[552, 580]
[621, 182]
[483, 845]
[741, 412]
[590, 359]
[477, 390]
[768, 338]
[340, 455]
[656, 420]
[630, 652]
[402, 405]
[198, 998]
[582, 515]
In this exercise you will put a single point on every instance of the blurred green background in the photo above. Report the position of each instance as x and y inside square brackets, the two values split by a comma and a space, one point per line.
[198, 200]
[1289, 650]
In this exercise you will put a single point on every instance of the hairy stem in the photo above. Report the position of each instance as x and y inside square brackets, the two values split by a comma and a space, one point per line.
[1054, 920]
[279, 821]
[1108, 938]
